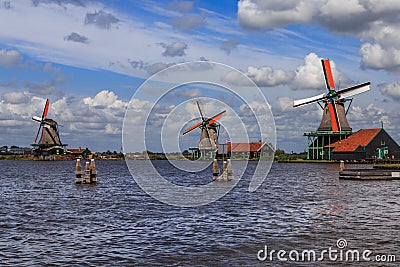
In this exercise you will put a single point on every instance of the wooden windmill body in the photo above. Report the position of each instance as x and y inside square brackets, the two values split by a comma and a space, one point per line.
[334, 125]
[326, 122]
[49, 142]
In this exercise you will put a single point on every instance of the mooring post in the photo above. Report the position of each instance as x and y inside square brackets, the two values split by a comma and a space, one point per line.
[341, 166]
[93, 172]
[87, 172]
[215, 170]
[224, 175]
[229, 170]
[78, 172]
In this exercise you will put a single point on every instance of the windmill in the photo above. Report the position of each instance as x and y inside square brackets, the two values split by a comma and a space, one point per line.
[334, 125]
[208, 144]
[49, 142]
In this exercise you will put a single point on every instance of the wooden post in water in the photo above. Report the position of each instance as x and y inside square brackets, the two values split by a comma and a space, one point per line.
[229, 170]
[215, 170]
[341, 166]
[93, 172]
[78, 172]
[87, 173]
[224, 175]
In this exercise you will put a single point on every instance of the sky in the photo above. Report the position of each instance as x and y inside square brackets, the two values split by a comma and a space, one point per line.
[90, 57]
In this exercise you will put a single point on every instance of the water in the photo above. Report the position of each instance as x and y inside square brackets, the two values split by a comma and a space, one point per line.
[47, 220]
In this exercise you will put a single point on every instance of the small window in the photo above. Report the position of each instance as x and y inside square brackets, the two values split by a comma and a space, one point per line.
[382, 143]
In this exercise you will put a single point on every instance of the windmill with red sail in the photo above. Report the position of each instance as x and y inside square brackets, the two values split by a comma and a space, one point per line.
[334, 125]
[208, 144]
[49, 142]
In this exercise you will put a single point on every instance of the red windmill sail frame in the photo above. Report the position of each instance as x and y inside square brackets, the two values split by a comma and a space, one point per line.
[44, 115]
[330, 86]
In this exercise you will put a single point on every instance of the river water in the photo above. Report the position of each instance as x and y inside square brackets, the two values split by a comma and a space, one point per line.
[47, 220]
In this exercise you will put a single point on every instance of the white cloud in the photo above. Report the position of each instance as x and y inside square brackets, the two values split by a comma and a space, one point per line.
[16, 97]
[264, 77]
[283, 104]
[392, 90]
[375, 22]
[267, 76]
[311, 76]
[105, 99]
[374, 56]
[269, 14]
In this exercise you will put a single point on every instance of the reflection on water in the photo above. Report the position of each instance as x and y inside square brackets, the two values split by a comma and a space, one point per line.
[45, 219]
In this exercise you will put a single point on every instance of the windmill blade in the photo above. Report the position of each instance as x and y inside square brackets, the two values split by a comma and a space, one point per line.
[326, 66]
[306, 101]
[192, 128]
[354, 90]
[46, 109]
[201, 113]
[37, 135]
[334, 117]
[36, 118]
[216, 117]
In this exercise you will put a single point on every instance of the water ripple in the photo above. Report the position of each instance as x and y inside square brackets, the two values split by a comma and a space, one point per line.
[46, 220]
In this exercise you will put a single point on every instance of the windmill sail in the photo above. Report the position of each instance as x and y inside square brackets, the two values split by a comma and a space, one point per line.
[354, 90]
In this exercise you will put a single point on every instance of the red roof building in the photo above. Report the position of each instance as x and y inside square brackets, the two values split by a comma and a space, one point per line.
[365, 144]
[249, 150]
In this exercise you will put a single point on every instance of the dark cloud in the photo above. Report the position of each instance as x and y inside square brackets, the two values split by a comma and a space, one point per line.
[156, 67]
[149, 68]
[187, 93]
[181, 6]
[76, 37]
[10, 58]
[176, 49]
[48, 67]
[228, 45]
[44, 89]
[136, 64]
[7, 4]
[188, 22]
[101, 19]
